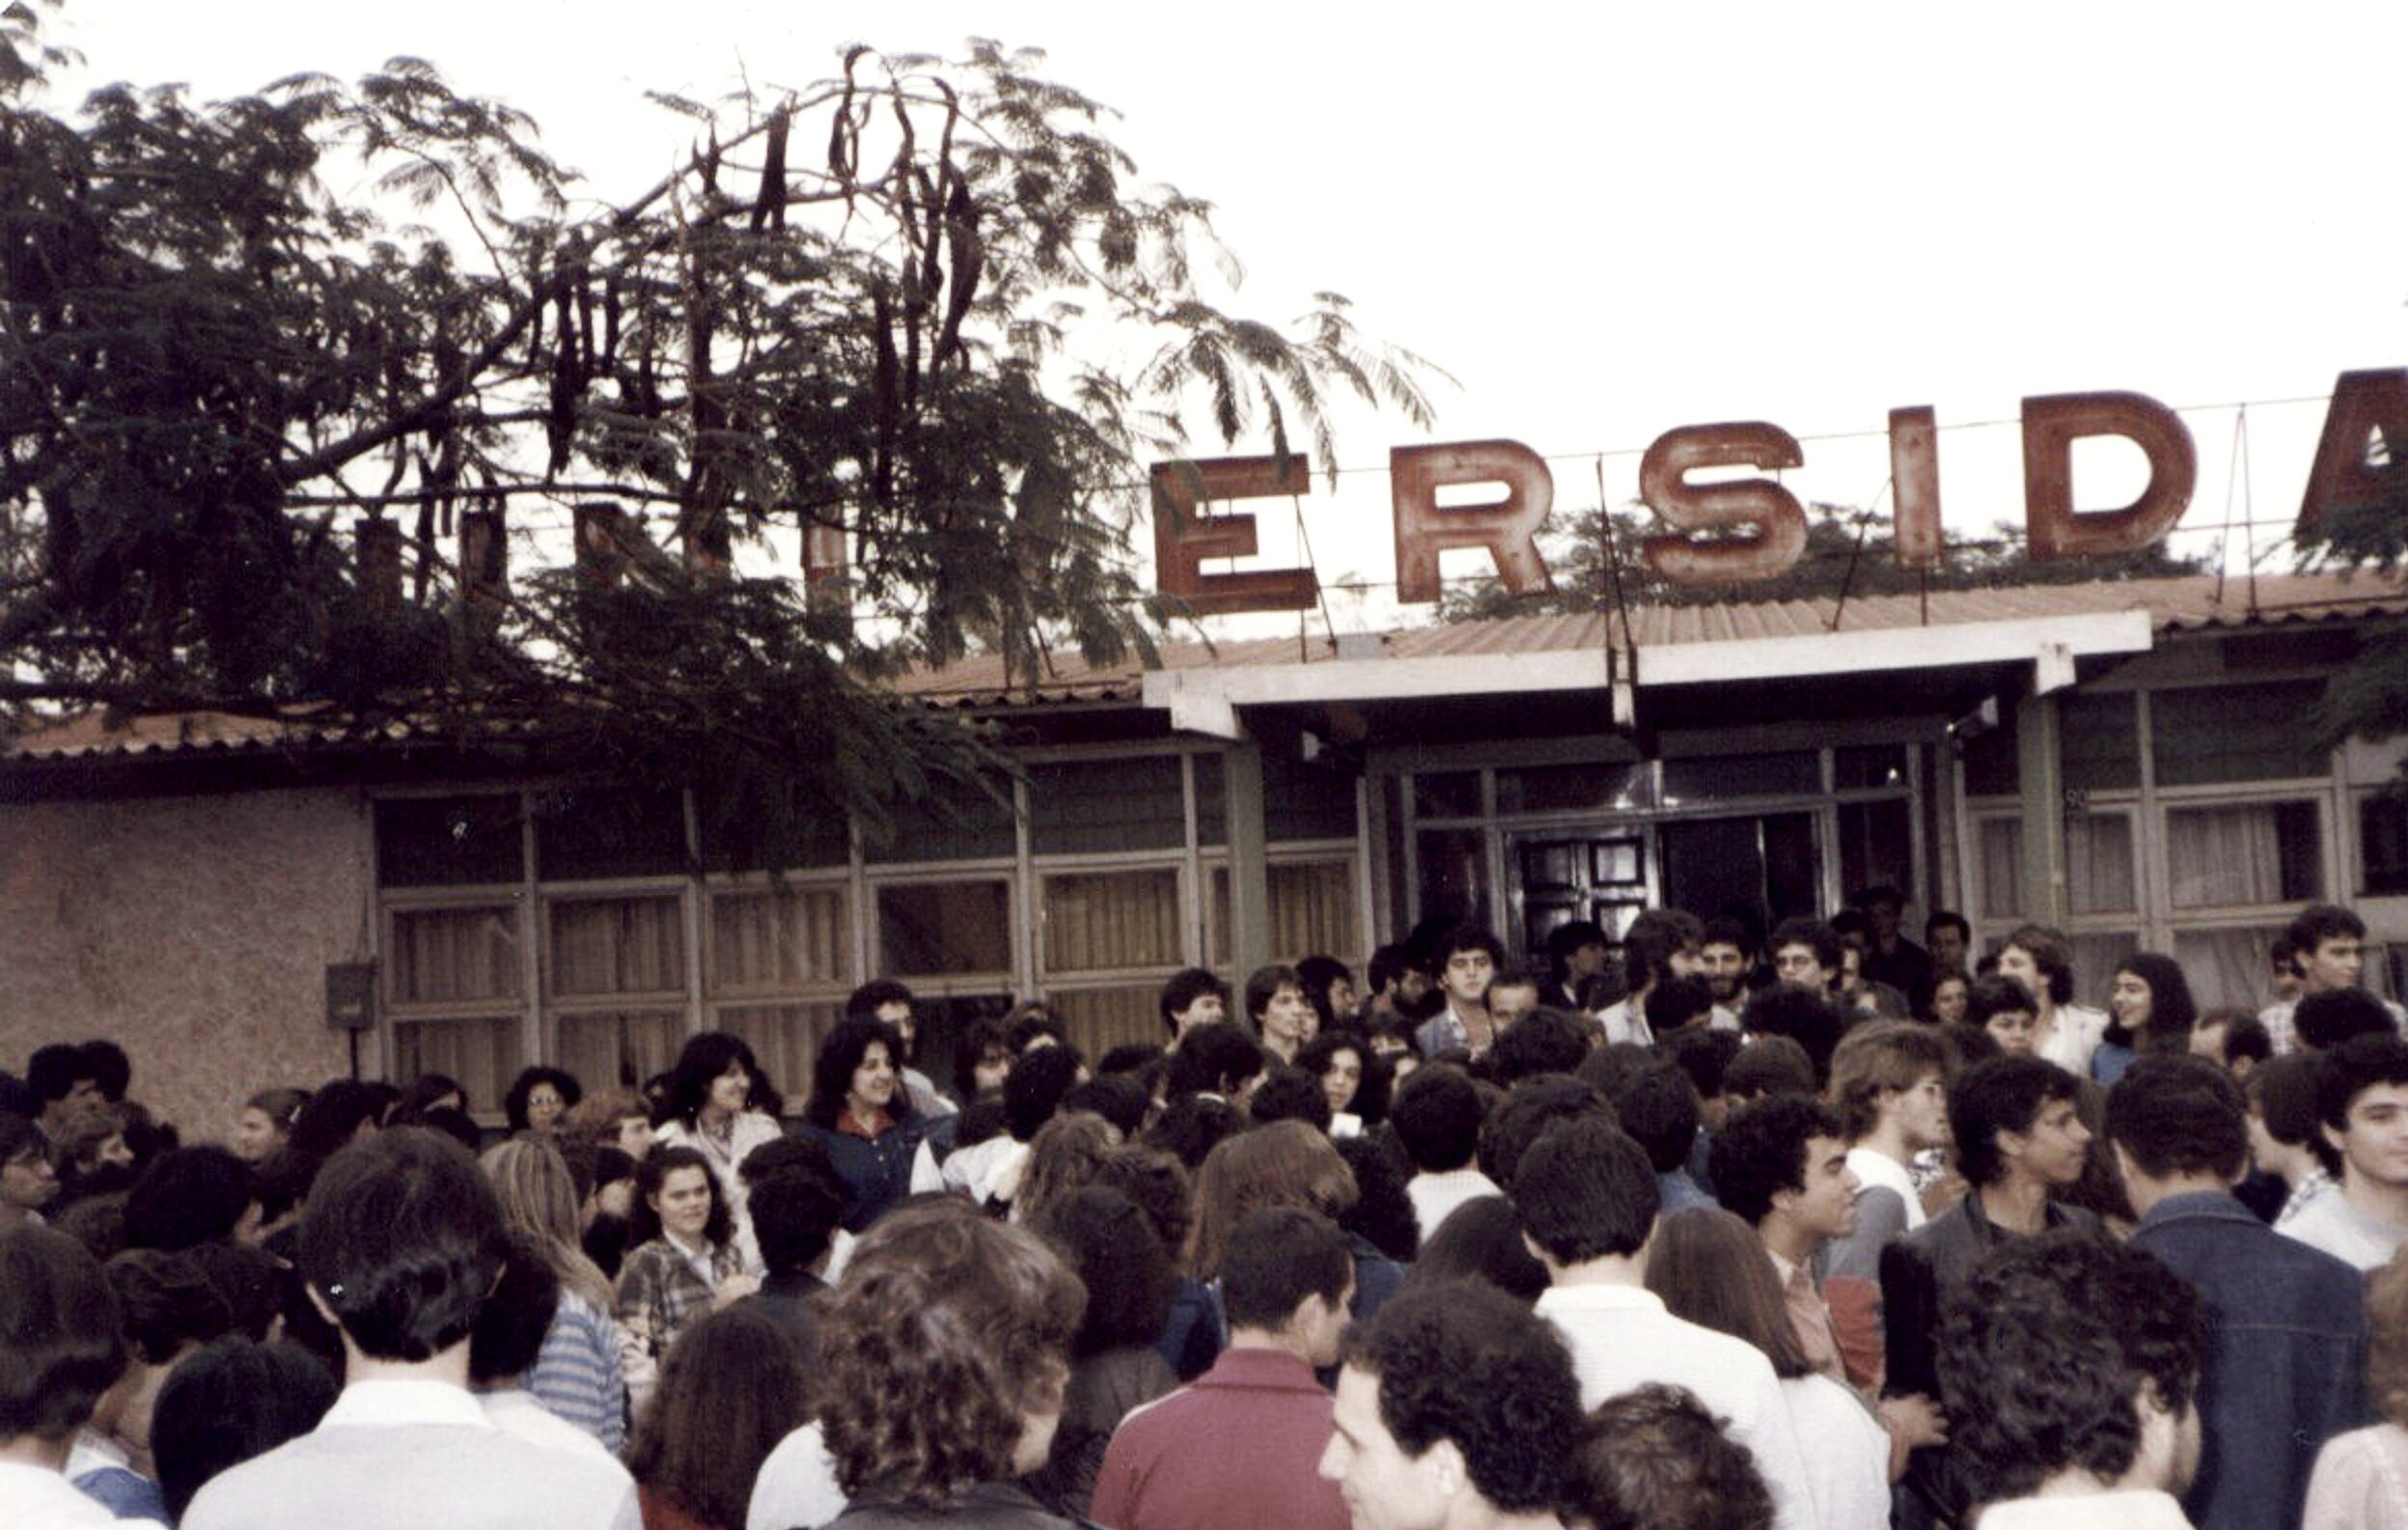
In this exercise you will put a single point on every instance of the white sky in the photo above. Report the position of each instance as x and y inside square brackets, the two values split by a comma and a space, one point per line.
[1610, 221]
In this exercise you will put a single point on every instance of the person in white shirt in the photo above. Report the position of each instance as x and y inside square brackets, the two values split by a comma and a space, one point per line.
[1888, 1083]
[1661, 943]
[2361, 1096]
[1437, 1119]
[65, 1351]
[1587, 1197]
[2325, 946]
[400, 1244]
[2070, 1370]
[2042, 959]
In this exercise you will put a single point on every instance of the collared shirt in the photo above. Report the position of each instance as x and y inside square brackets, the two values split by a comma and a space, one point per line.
[2330, 1222]
[2314, 1183]
[401, 1455]
[1809, 1315]
[2281, 1023]
[1622, 1337]
[1435, 1196]
[1169, 1465]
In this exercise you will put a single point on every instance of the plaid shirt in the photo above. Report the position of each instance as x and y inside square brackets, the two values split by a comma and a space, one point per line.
[661, 1292]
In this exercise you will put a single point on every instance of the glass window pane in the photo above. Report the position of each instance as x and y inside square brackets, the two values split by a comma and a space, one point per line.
[2101, 877]
[2096, 954]
[1103, 1019]
[582, 834]
[448, 842]
[1876, 845]
[617, 1048]
[446, 956]
[955, 824]
[1618, 787]
[617, 945]
[2254, 853]
[1797, 772]
[1306, 801]
[780, 938]
[739, 828]
[2226, 966]
[785, 1039]
[1090, 805]
[1868, 766]
[941, 929]
[2001, 877]
[484, 1053]
[1455, 875]
[1313, 911]
[1446, 794]
[2098, 741]
[1991, 760]
[2383, 843]
[1105, 921]
[2235, 732]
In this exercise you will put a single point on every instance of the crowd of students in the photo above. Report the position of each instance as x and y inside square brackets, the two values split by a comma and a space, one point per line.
[1823, 1232]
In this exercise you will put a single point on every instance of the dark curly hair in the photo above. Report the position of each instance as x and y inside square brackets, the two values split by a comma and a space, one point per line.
[1383, 1213]
[1544, 1041]
[2043, 1351]
[1463, 1362]
[947, 1329]
[564, 1083]
[1655, 1459]
[1120, 1259]
[832, 1071]
[1376, 1079]
[1157, 1182]
[699, 1066]
[1760, 1152]
[2178, 1114]
[2005, 1094]
[1585, 1191]
[730, 1389]
[1290, 1093]
[1529, 1108]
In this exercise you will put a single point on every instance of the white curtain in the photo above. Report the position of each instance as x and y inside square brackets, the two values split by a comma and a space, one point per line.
[2002, 868]
[2224, 966]
[2218, 857]
[2099, 871]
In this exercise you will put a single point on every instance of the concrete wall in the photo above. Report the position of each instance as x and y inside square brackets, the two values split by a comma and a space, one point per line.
[194, 932]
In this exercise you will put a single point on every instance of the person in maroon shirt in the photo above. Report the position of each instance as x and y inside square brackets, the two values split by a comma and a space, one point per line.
[1286, 1279]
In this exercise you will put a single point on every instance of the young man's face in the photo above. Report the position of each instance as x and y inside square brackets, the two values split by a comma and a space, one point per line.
[1467, 975]
[1287, 1016]
[1721, 965]
[2016, 963]
[1205, 1009]
[1509, 1002]
[1797, 965]
[1922, 1112]
[1948, 947]
[2373, 1140]
[2016, 1031]
[1382, 1486]
[2056, 1146]
[2336, 963]
[1584, 961]
[1684, 962]
[1826, 1207]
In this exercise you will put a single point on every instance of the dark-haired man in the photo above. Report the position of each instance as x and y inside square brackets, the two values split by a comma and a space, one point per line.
[1192, 996]
[1586, 1195]
[2287, 1330]
[2019, 1140]
[1464, 965]
[2329, 953]
[1286, 1278]
[1456, 1408]
[2362, 1100]
[1437, 1119]
[1661, 943]
[400, 1243]
[1780, 1165]
[2070, 1365]
[65, 1349]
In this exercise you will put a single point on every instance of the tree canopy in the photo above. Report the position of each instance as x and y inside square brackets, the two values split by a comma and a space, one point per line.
[493, 448]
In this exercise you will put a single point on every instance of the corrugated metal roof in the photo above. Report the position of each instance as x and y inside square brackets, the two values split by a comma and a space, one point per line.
[2191, 603]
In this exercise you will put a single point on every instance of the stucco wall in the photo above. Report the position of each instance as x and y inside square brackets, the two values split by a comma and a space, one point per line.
[195, 932]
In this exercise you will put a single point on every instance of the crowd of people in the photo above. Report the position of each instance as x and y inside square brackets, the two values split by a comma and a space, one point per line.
[1827, 1230]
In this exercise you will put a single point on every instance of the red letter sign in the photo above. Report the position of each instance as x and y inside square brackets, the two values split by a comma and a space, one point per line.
[2049, 427]
[1508, 528]
[2365, 404]
[1183, 540]
[1758, 503]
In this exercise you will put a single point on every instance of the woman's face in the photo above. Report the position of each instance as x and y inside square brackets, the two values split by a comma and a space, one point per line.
[27, 1182]
[683, 1203]
[2129, 1001]
[728, 1091]
[1947, 1000]
[255, 1134]
[544, 1107]
[1343, 1078]
[874, 1082]
[2016, 1031]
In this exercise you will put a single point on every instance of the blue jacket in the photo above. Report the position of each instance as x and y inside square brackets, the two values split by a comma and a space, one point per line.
[877, 1172]
[2286, 1355]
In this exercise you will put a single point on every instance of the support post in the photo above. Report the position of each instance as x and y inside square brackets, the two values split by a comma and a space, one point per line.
[2039, 770]
[1249, 881]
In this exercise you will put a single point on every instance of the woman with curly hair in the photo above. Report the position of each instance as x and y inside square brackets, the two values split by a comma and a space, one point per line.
[1114, 1369]
[944, 1354]
[730, 1390]
[682, 1268]
[860, 1112]
[539, 1099]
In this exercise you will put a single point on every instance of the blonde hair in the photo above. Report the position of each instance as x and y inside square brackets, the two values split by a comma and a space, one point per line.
[539, 1196]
